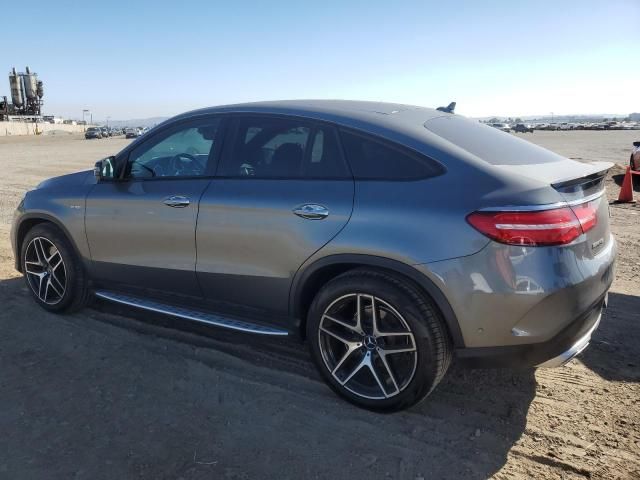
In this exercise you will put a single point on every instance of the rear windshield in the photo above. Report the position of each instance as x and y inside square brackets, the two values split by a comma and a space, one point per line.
[489, 144]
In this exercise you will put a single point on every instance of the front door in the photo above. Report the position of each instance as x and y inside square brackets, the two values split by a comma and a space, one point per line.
[282, 192]
[141, 227]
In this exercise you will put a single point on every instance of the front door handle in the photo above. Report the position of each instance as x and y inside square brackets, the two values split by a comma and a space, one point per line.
[176, 201]
[311, 211]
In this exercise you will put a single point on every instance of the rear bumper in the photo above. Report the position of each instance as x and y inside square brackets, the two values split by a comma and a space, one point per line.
[509, 296]
[575, 349]
[553, 353]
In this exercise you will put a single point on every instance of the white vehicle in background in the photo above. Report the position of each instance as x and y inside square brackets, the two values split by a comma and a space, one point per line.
[52, 119]
[634, 161]
[501, 126]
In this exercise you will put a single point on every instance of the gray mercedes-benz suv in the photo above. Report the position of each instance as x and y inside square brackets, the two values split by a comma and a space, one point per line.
[391, 237]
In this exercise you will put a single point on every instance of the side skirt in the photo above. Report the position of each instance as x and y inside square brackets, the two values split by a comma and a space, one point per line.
[188, 313]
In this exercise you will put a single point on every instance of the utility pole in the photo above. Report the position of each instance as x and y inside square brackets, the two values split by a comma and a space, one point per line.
[84, 112]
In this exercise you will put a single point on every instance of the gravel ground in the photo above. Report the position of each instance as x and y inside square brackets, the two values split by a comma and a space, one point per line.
[112, 393]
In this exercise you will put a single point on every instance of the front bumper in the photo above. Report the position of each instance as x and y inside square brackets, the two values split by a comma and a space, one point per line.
[13, 235]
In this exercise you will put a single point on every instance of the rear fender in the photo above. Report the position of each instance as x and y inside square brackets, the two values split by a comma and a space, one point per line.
[300, 297]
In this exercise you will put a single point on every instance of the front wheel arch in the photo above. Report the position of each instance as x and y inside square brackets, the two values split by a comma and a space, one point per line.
[75, 288]
[28, 221]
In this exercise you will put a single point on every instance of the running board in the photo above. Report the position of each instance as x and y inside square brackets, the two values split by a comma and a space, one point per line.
[187, 313]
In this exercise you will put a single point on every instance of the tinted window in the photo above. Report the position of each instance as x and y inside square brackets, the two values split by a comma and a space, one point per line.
[373, 159]
[180, 152]
[489, 144]
[266, 147]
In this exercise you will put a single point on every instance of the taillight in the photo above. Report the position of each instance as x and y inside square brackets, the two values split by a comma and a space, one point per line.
[557, 226]
[587, 214]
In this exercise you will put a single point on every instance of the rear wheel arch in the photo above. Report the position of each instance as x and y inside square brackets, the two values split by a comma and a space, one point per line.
[312, 278]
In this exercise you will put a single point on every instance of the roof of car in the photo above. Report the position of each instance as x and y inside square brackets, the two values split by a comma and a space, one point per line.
[340, 111]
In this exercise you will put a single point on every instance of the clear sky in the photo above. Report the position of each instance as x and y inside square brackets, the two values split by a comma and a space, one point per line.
[136, 59]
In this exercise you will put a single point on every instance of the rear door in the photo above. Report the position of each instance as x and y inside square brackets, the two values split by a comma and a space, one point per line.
[282, 191]
[141, 227]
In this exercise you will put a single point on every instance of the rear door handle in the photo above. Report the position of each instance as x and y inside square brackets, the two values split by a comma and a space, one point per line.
[176, 201]
[311, 211]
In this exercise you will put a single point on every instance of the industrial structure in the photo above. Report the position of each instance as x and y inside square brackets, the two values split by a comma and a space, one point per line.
[26, 97]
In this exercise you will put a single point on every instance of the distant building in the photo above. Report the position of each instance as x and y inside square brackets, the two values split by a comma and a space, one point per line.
[634, 117]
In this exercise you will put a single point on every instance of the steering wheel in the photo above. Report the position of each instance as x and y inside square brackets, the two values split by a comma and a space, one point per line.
[185, 164]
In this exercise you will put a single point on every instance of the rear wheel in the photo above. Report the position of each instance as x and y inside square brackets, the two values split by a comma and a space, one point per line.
[53, 272]
[378, 341]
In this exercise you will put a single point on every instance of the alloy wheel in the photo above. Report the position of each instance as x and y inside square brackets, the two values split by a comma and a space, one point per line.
[45, 270]
[367, 346]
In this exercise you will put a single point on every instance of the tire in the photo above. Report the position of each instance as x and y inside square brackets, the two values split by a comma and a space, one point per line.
[338, 349]
[68, 289]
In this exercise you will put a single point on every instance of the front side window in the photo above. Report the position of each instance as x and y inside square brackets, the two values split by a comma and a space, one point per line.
[266, 147]
[183, 151]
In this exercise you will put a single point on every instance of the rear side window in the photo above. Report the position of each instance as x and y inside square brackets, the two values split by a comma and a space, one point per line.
[371, 159]
[271, 147]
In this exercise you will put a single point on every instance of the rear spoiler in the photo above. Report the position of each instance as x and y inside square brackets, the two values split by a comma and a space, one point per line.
[589, 182]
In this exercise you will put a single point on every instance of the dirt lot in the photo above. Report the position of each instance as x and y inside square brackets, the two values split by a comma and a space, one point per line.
[102, 395]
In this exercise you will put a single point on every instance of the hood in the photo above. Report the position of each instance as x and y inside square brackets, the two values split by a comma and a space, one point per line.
[72, 179]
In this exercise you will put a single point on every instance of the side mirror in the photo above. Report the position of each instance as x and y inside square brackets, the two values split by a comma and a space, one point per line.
[103, 169]
[97, 170]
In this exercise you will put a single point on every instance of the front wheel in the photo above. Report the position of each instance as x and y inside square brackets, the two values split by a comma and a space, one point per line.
[378, 341]
[52, 270]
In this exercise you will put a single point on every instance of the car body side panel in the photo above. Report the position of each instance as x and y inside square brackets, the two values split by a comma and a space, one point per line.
[132, 233]
[250, 243]
[408, 222]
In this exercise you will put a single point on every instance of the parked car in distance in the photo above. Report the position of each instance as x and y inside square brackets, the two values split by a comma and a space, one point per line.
[502, 126]
[634, 160]
[522, 128]
[343, 224]
[93, 132]
[132, 133]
